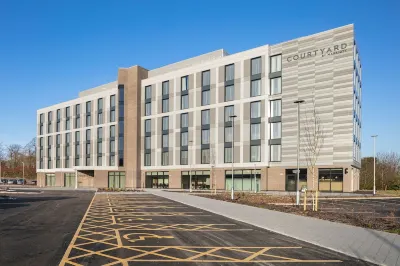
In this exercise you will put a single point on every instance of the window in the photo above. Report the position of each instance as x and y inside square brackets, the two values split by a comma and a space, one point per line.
[256, 66]
[100, 111]
[228, 155]
[255, 89]
[184, 138]
[67, 120]
[165, 158]
[276, 130]
[255, 110]
[99, 147]
[276, 108]
[184, 101]
[184, 158]
[228, 134]
[165, 88]
[77, 136]
[205, 78]
[276, 86]
[205, 117]
[112, 160]
[229, 93]
[276, 63]
[184, 83]
[88, 135]
[255, 131]
[58, 120]
[99, 133]
[205, 136]
[49, 118]
[99, 160]
[148, 109]
[147, 159]
[41, 121]
[165, 141]
[88, 114]
[229, 72]
[165, 105]
[58, 139]
[147, 126]
[165, 123]
[229, 111]
[112, 108]
[275, 153]
[147, 143]
[77, 116]
[112, 131]
[205, 156]
[255, 153]
[184, 120]
[147, 92]
[205, 97]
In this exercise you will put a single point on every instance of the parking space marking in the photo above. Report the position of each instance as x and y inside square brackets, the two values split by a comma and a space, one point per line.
[111, 221]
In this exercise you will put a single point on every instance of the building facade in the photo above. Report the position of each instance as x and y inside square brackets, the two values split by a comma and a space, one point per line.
[200, 118]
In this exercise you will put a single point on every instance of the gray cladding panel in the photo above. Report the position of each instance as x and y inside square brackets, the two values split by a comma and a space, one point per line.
[322, 62]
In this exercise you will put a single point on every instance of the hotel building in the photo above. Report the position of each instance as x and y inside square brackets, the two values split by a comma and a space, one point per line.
[156, 128]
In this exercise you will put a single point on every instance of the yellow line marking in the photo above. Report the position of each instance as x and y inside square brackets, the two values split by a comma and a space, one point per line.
[249, 258]
[69, 248]
[119, 240]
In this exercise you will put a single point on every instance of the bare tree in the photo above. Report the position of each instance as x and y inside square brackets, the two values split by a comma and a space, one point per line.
[312, 138]
[14, 155]
[388, 169]
[2, 152]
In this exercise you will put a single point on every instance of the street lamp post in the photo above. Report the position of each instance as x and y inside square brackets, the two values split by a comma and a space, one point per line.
[298, 102]
[255, 179]
[233, 148]
[23, 173]
[190, 170]
[374, 137]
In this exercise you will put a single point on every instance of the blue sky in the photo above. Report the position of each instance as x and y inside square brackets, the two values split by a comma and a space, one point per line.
[51, 50]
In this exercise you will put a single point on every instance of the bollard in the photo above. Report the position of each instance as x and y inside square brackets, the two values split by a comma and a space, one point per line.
[305, 200]
[316, 200]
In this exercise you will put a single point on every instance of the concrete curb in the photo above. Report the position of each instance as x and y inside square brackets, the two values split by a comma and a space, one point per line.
[370, 245]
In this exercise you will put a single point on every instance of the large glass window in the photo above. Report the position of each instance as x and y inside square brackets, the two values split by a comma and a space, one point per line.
[184, 83]
[255, 131]
[165, 105]
[229, 72]
[205, 136]
[147, 159]
[276, 129]
[147, 143]
[148, 109]
[165, 123]
[100, 111]
[184, 158]
[205, 97]
[184, 101]
[49, 119]
[256, 66]
[165, 88]
[165, 141]
[165, 158]
[330, 180]
[255, 153]
[255, 110]
[276, 63]
[112, 107]
[276, 108]
[229, 111]
[229, 93]
[184, 120]
[205, 156]
[157, 179]
[205, 78]
[255, 88]
[205, 117]
[147, 126]
[228, 155]
[276, 86]
[147, 92]
[244, 180]
[228, 134]
[116, 179]
[67, 121]
[275, 153]
[184, 138]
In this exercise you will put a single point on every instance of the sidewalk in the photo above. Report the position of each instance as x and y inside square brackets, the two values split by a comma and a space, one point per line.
[366, 244]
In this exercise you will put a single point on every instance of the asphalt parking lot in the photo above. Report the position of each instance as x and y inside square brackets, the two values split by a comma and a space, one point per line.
[36, 228]
[144, 229]
[381, 208]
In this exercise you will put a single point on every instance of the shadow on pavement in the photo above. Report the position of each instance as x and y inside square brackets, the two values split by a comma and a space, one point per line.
[9, 202]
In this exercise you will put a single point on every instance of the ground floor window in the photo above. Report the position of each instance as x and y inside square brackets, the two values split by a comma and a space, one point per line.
[291, 179]
[157, 180]
[50, 180]
[116, 179]
[243, 180]
[330, 180]
[69, 180]
[200, 179]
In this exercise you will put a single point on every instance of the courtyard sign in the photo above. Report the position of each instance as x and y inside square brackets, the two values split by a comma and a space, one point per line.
[336, 49]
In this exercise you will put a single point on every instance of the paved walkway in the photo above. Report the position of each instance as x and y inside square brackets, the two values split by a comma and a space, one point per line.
[370, 245]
